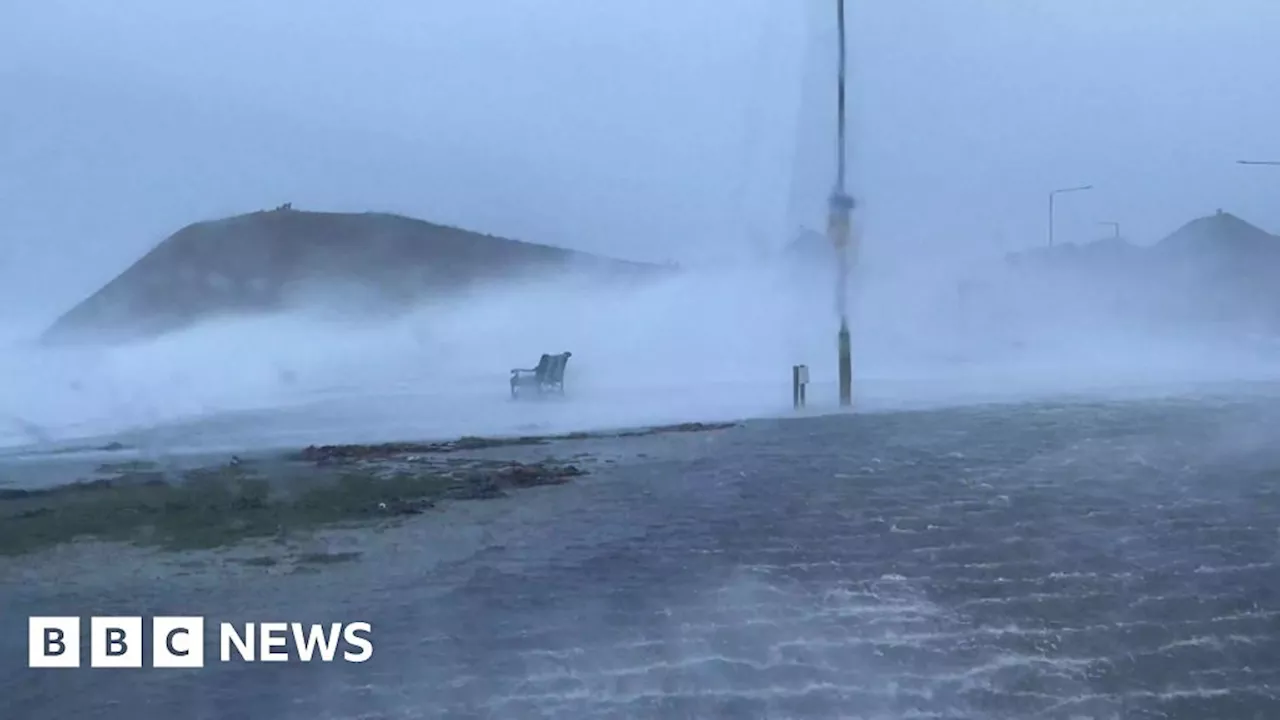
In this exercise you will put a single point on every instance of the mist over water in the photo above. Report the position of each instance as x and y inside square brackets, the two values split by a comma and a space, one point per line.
[701, 344]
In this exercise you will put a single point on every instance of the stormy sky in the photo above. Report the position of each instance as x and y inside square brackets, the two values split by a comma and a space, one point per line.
[688, 130]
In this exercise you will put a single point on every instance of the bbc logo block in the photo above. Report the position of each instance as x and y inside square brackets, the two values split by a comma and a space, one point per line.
[179, 642]
[115, 642]
[53, 642]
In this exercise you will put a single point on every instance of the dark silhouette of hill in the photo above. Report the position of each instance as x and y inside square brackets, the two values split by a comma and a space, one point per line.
[1214, 242]
[1221, 237]
[273, 260]
[1218, 270]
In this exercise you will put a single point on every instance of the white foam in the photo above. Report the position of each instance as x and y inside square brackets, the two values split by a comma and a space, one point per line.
[700, 346]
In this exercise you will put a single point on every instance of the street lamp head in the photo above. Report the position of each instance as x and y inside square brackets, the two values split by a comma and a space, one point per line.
[1053, 195]
[1072, 189]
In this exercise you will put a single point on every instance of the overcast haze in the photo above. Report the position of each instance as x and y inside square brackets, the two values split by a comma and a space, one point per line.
[663, 129]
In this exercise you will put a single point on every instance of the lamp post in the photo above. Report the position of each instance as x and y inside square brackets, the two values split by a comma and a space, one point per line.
[1115, 228]
[840, 207]
[1055, 194]
[1258, 162]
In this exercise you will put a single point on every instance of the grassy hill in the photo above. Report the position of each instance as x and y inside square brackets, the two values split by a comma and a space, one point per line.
[271, 260]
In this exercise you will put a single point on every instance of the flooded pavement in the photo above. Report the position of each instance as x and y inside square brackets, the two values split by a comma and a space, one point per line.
[1071, 561]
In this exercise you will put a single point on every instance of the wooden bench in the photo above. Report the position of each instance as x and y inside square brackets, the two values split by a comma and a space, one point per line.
[547, 377]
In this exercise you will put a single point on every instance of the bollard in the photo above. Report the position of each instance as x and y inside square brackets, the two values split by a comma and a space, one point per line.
[799, 379]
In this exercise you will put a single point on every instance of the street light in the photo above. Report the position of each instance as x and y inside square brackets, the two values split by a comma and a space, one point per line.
[1053, 195]
[1115, 228]
[840, 207]
[1258, 162]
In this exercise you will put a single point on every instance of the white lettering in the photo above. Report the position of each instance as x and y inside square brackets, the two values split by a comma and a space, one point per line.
[327, 642]
[272, 636]
[242, 643]
[352, 635]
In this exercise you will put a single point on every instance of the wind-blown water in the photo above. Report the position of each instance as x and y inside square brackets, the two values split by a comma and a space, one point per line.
[700, 345]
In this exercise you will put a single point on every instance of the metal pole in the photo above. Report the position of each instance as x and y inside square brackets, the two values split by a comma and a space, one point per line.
[1052, 195]
[839, 209]
[840, 100]
[1258, 162]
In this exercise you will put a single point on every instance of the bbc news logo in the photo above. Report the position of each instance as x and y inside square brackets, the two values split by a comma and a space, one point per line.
[179, 642]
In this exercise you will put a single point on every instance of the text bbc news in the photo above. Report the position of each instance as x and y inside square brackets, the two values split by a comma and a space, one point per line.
[179, 642]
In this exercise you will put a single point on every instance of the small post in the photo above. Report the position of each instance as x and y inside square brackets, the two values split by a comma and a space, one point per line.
[799, 379]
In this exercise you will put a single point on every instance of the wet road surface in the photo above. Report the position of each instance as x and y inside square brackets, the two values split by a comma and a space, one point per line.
[1087, 561]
